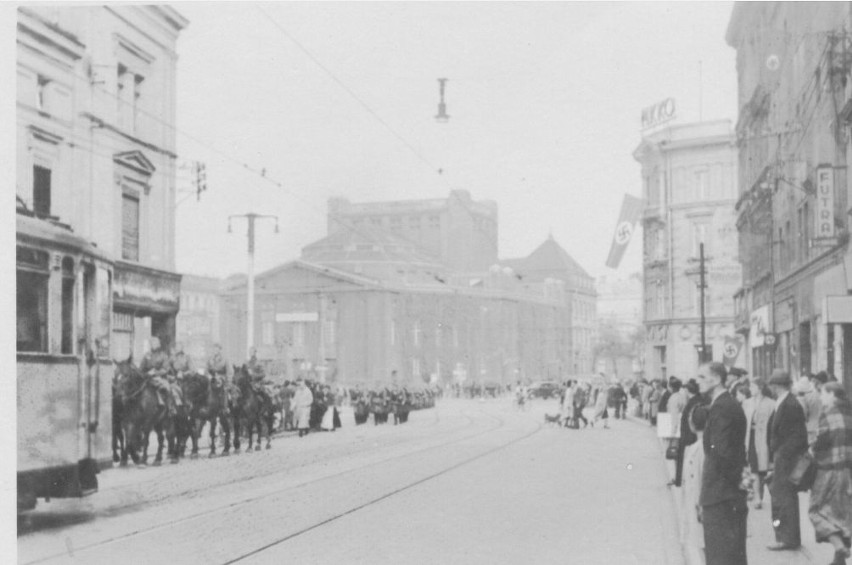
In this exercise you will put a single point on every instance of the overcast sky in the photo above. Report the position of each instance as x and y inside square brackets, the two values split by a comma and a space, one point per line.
[544, 99]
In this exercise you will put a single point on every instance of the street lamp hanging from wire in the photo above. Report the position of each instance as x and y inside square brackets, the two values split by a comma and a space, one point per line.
[442, 116]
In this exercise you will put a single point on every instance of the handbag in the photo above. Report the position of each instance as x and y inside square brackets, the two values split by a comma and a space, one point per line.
[672, 449]
[804, 472]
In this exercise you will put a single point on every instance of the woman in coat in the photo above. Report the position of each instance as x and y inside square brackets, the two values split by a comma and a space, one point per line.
[758, 414]
[831, 495]
[691, 529]
[302, 401]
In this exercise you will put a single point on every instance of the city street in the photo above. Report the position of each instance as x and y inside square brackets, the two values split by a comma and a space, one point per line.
[467, 482]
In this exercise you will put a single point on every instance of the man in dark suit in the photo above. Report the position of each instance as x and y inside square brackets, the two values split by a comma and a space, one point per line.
[788, 439]
[724, 510]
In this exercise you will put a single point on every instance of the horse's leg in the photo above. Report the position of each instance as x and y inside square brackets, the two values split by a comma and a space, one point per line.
[226, 430]
[212, 422]
[195, 431]
[160, 441]
[237, 430]
[129, 444]
[270, 422]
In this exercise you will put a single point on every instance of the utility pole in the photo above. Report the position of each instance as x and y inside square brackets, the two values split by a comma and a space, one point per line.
[251, 217]
[702, 284]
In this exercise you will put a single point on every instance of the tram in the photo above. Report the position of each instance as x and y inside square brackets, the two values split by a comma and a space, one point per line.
[64, 370]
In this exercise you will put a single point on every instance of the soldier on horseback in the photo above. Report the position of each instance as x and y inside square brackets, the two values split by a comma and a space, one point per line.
[180, 365]
[218, 366]
[258, 377]
[155, 365]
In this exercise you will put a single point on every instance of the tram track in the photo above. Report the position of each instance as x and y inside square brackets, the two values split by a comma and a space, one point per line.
[498, 423]
[257, 551]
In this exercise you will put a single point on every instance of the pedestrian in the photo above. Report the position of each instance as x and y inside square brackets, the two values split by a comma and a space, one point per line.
[691, 530]
[303, 399]
[654, 402]
[808, 396]
[663, 406]
[831, 495]
[676, 405]
[600, 408]
[788, 440]
[580, 399]
[687, 437]
[566, 411]
[758, 416]
[724, 511]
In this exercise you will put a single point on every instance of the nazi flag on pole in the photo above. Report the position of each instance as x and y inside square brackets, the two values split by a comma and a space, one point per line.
[631, 210]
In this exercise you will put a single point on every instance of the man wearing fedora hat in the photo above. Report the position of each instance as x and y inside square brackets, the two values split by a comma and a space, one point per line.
[788, 439]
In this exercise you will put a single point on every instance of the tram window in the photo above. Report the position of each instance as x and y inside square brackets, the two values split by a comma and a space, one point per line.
[67, 305]
[31, 312]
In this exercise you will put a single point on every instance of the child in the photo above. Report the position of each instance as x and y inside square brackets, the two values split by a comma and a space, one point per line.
[692, 532]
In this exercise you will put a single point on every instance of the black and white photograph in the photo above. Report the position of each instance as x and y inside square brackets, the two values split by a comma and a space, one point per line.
[428, 282]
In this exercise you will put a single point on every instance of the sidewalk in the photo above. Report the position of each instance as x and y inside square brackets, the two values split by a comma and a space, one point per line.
[760, 533]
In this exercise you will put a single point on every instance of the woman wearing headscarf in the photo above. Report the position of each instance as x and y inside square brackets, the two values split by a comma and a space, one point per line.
[831, 495]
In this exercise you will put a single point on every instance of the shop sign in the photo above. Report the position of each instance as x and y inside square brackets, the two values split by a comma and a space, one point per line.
[658, 114]
[296, 317]
[825, 202]
[784, 316]
[143, 289]
[838, 309]
[759, 326]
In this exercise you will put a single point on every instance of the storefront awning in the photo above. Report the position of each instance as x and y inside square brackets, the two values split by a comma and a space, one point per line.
[144, 289]
[838, 309]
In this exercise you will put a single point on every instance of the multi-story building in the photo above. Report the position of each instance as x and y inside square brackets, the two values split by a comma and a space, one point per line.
[457, 231]
[793, 68]
[96, 147]
[619, 307]
[689, 183]
[367, 303]
[198, 323]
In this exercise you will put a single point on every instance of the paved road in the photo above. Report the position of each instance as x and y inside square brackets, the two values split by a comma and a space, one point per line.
[468, 482]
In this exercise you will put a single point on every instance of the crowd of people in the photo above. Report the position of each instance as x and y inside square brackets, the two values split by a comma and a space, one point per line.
[738, 436]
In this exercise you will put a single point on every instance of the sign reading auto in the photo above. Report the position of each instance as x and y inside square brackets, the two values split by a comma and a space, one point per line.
[659, 113]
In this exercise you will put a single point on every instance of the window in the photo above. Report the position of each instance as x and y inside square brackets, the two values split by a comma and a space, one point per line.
[376, 222]
[414, 222]
[137, 96]
[31, 326]
[415, 331]
[659, 300]
[434, 221]
[699, 233]
[396, 223]
[130, 227]
[128, 97]
[330, 332]
[701, 186]
[438, 336]
[267, 333]
[67, 344]
[299, 334]
[392, 333]
[42, 98]
[41, 191]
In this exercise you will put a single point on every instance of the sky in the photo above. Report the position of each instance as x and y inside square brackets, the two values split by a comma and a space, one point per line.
[289, 104]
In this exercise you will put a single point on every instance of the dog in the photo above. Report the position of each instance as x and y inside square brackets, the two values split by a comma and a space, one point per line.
[555, 419]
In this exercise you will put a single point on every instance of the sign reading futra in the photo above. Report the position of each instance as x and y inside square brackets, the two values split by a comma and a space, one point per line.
[825, 201]
[659, 113]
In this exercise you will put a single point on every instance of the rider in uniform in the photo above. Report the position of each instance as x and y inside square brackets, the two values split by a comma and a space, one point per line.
[155, 365]
[181, 365]
[218, 366]
[258, 377]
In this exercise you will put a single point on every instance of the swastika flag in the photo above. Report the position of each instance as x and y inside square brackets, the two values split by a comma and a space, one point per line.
[631, 210]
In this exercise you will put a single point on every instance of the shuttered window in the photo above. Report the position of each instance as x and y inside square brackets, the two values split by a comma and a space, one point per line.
[130, 227]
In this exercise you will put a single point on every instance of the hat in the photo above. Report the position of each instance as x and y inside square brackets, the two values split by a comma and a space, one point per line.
[780, 377]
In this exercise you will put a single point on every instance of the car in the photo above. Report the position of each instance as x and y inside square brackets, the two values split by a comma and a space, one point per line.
[544, 389]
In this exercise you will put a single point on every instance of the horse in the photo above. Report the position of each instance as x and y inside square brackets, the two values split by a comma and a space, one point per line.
[119, 450]
[207, 402]
[252, 410]
[141, 414]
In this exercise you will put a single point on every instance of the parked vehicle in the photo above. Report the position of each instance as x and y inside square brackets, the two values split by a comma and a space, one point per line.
[544, 389]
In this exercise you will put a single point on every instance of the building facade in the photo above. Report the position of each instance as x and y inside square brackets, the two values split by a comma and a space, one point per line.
[458, 231]
[689, 184]
[96, 147]
[619, 307]
[198, 322]
[370, 303]
[793, 65]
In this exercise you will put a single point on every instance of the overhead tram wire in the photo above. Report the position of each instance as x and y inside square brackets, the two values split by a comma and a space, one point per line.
[432, 168]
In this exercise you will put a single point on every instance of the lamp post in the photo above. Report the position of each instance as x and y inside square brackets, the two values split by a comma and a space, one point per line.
[251, 217]
[702, 286]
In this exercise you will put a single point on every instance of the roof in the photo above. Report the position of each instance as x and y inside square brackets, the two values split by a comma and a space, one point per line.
[46, 231]
[548, 260]
[367, 243]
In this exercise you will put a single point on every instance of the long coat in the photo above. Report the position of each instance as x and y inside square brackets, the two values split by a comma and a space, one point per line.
[759, 410]
[788, 439]
[302, 401]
